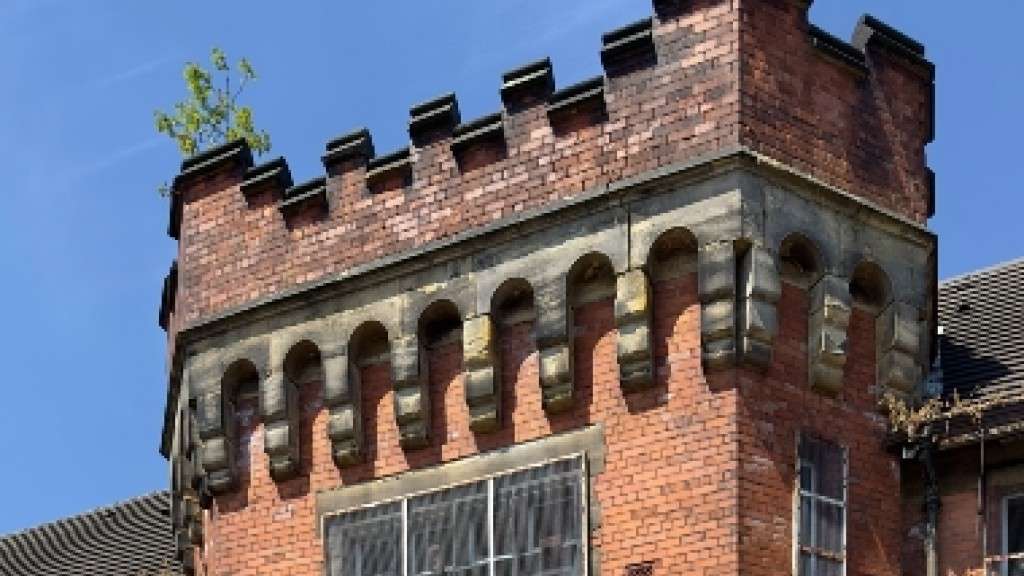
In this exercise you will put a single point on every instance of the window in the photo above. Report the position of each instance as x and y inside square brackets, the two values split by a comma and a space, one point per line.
[524, 523]
[821, 513]
[1013, 535]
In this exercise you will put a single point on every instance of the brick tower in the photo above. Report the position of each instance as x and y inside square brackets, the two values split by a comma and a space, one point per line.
[639, 325]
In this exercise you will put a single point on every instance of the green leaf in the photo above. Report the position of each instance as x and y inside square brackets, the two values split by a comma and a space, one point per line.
[218, 59]
[208, 115]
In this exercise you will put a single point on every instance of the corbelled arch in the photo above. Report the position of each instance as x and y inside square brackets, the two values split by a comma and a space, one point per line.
[216, 407]
[343, 390]
[899, 328]
[481, 351]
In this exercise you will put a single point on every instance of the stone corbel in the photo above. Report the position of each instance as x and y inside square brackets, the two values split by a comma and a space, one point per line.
[216, 426]
[483, 376]
[193, 520]
[898, 333]
[759, 290]
[716, 284]
[828, 321]
[554, 351]
[344, 416]
[633, 320]
[279, 409]
[412, 399]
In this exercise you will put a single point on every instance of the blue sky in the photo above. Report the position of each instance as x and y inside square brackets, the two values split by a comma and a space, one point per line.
[82, 243]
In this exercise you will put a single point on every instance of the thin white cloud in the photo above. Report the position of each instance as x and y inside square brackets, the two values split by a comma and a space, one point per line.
[118, 156]
[131, 73]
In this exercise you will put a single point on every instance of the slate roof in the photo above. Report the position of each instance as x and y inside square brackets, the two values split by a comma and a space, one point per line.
[132, 538]
[982, 345]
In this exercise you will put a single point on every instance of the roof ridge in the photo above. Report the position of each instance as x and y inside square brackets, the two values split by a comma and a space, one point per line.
[998, 267]
[70, 520]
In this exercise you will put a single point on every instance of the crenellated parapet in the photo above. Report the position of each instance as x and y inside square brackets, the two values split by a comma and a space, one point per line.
[548, 143]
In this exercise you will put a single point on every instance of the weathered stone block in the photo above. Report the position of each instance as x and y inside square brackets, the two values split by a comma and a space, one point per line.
[273, 396]
[831, 296]
[899, 371]
[556, 378]
[828, 320]
[413, 434]
[483, 394]
[337, 388]
[551, 325]
[341, 423]
[899, 327]
[412, 405]
[759, 291]
[718, 320]
[898, 334]
[718, 354]
[478, 341]
[759, 275]
[210, 414]
[346, 453]
[632, 317]
[480, 386]
[405, 361]
[635, 359]
[759, 320]
[216, 453]
[484, 418]
[716, 284]
[409, 404]
[716, 271]
[632, 296]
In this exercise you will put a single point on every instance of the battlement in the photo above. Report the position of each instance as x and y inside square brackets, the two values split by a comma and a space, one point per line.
[855, 115]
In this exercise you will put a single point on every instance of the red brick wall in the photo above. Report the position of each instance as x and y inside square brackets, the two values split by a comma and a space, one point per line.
[774, 408]
[960, 551]
[863, 133]
[668, 492]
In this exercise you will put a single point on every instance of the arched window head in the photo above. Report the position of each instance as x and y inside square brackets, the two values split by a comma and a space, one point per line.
[302, 363]
[513, 302]
[439, 321]
[369, 343]
[673, 254]
[869, 286]
[800, 260]
[591, 278]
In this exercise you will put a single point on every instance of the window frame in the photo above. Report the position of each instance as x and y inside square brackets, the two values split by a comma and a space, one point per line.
[489, 478]
[1004, 522]
[799, 493]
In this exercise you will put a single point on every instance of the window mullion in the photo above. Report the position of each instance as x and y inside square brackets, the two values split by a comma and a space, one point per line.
[405, 537]
[491, 549]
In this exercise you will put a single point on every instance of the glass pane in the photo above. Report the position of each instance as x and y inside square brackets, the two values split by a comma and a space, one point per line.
[805, 566]
[830, 527]
[448, 532]
[1015, 525]
[829, 567]
[1015, 567]
[806, 520]
[538, 521]
[365, 542]
[806, 476]
[826, 460]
